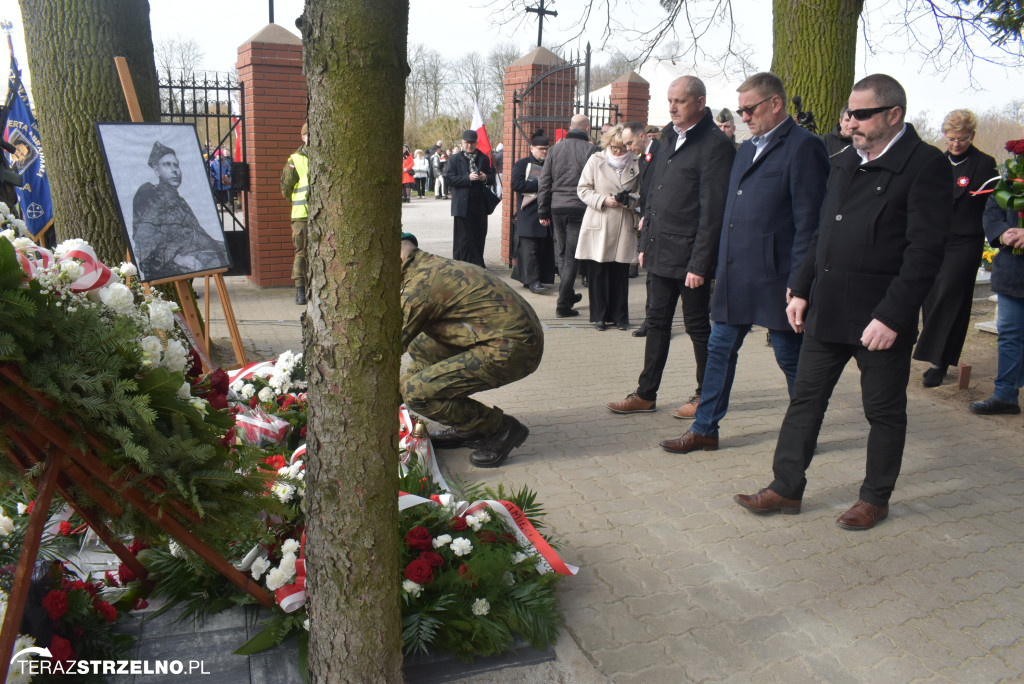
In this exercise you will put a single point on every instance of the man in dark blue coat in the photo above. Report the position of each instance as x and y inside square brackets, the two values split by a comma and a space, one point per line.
[881, 236]
[468, 174]
[775, 190]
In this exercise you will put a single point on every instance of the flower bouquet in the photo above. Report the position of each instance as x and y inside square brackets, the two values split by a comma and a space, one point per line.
[1009, 191]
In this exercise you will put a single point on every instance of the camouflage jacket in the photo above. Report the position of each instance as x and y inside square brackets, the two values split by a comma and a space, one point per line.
[462, 305]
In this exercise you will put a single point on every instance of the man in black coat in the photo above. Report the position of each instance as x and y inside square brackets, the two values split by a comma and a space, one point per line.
[468, 174]
[532, 244]
[882, 230]
[679, 235]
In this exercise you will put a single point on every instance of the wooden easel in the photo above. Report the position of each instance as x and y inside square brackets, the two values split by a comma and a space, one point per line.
[36, 438]
[188, 302]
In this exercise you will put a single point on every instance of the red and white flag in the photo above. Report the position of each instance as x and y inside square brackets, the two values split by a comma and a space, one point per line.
[482, 143]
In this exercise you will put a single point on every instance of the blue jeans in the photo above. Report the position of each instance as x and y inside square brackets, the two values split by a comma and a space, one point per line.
[723, 353]
[1010, 324]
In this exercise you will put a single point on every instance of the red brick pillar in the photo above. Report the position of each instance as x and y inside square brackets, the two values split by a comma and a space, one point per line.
[270, 69]
[632, 94]
[548, 106]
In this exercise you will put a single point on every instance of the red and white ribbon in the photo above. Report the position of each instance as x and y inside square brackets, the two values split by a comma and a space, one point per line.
[95, 273]
[299, 453]
[258, 427]
[256, 368]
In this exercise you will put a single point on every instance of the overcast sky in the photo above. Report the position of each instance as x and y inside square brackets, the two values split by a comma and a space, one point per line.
[457, 27]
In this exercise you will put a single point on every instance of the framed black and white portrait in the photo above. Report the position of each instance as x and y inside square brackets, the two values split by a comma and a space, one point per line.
[164, 198]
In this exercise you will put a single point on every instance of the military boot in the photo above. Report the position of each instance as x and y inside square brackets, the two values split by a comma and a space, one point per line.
[495, 449]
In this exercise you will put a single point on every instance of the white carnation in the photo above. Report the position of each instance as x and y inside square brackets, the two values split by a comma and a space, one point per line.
[276, 579]
[128, 269]
[19, 226]
[161, 315]
[175, 549]
[305, 624]
[175, 356]
[151, 350]
[22, 508]
[483, 516]
[461, 546]
[237, 386]
[185, 391]
[118, 297]
[247, 391]
[289, 546]
[69, 246]
[72, 269]
[6, 525]
[411, 588]
[481, 607]
[266, 394]
[443, 540]
[8, 234]
[23, 243]
[474, 522]
[4, 209]
[259, 566]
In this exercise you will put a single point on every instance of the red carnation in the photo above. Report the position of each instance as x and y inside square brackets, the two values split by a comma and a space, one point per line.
[254, 402]
[287, 400]
[111, 578]
[419, 538]
[60, 649]
[459, 524]
[125, 574]
[138, 545]
[31, 505]
[419, 571]
[108, 611]
[79, 585]
[65, 528]
[140, 603]
[487, 536]
[219, 381]
[465, 574]
[56, 604]
[432, 559]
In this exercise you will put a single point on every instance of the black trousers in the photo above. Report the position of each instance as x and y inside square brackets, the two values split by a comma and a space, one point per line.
[609, 292]
[568, 226]
[662, 295]
[883, 383]
[469, 238]
[947, 310]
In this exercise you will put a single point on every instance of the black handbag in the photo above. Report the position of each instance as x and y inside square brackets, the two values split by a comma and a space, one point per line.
[490, 199]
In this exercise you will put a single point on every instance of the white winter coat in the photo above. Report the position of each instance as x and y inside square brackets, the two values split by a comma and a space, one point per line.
[608, 233]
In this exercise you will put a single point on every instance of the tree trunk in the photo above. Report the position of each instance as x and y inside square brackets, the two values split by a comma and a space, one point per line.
[71, 50]
[814, 53]
[355, 66]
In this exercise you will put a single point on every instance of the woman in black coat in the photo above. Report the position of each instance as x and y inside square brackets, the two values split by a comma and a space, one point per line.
[532, 243]
[947, 310]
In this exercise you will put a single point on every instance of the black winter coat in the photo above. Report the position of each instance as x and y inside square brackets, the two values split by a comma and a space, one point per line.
[467, 195]
[880, 242]
[685, 201]
[527, 220]
[969, 175]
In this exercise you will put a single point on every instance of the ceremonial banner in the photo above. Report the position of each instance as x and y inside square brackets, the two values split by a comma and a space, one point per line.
[28, 159]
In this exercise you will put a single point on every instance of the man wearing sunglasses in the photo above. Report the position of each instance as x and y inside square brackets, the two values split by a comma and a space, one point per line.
[882, 231]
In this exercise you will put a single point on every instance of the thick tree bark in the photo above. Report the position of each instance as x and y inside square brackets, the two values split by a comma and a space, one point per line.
[71, 50]
[355, 66]
[815, 51]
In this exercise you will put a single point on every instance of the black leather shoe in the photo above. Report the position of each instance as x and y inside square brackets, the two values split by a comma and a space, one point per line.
[453, 438]
[495, 449]
[600, 326]
[641, 331]
[300, 295]
[577, 298]
[933, 376]
[537, 288]
[993, 406]
[566, 313]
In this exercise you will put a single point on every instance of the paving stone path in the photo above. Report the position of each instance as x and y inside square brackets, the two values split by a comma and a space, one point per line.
[679, 584]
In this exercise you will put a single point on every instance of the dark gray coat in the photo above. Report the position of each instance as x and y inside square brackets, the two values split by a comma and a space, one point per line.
[562, 171]
[1007, 267]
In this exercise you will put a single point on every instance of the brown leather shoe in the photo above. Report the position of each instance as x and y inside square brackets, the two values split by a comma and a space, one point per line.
[767, 501]
[690, 441]
[689, 409]
[633, 404]
[862, 516]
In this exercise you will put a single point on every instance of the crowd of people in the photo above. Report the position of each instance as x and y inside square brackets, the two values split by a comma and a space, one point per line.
[838, 245]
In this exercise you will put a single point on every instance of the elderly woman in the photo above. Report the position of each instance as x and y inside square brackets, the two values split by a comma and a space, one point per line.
[610, 187]
[420, 171]
[947, 310]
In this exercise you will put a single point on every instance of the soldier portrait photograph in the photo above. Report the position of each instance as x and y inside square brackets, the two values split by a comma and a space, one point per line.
[169, 218]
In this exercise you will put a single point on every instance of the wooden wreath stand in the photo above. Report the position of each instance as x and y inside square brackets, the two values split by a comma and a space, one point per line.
[34, 438]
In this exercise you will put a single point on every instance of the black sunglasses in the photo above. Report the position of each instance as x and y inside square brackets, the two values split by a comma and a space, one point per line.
[749, 111]
[865, 114]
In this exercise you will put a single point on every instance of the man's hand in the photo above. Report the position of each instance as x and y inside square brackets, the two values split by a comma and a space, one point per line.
[795, 312]
[640, 256]
[545, 222]
[1012, 237]
[693, 281]
[789, 295]
[877, 336]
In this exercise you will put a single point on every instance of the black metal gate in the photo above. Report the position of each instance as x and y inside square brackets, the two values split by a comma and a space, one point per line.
[214, 104]
[551, 101]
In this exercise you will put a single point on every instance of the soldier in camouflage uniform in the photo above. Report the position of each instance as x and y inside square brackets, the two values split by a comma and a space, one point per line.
[466, 331]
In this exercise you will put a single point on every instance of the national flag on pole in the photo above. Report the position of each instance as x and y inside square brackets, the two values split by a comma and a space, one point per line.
[236, 124]
[482, 143]
[28, 161]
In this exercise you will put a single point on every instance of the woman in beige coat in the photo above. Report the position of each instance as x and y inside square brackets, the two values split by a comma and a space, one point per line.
[610, 187]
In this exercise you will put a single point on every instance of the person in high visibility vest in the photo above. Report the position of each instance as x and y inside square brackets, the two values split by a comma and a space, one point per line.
[295, 188]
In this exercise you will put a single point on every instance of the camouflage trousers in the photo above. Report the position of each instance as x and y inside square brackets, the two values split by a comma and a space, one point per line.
[299, 266]
[441, 378]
